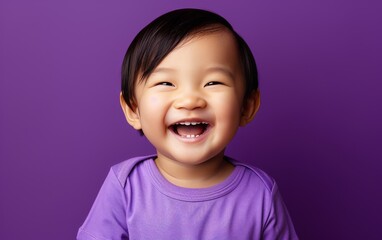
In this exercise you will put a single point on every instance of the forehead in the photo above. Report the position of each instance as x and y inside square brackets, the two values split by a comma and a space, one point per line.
[207, 50]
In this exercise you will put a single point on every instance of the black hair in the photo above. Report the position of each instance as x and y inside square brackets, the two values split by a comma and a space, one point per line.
[155, 41]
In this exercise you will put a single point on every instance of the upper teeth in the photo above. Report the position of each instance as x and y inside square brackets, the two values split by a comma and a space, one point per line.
[190, 123]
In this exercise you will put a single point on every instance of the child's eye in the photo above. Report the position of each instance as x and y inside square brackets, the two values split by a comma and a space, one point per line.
[164, 84]
[213, 83]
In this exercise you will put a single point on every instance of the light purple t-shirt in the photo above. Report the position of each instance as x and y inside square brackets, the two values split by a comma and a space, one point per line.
[137, 202]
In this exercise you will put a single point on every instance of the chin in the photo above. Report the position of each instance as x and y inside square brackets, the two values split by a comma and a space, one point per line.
[195, 159]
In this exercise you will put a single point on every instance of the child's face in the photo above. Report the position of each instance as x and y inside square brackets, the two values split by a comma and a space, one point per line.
[191, 106]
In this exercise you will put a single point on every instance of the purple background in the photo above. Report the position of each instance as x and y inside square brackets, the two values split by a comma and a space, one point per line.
[318, 131]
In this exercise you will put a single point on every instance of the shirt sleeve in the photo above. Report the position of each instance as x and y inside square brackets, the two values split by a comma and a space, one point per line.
[107, 217]
[279, 224]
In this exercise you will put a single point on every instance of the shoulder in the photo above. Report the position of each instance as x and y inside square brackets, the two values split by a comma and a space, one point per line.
[123, 169]
[257, 174]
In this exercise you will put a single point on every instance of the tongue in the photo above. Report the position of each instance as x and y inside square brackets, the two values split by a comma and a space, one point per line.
[184, 130]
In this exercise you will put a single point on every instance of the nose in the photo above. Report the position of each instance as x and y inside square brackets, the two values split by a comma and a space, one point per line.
[190, 101]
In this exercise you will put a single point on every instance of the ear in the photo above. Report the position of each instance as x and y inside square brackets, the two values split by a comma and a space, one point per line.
[250, 108]
[132, 115]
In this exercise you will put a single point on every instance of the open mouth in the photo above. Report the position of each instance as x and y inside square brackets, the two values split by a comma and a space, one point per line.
[189, 129]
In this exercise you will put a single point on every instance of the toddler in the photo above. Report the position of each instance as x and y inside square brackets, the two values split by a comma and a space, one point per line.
[189, 81]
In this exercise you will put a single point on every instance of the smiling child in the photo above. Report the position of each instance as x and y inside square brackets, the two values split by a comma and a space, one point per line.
[189, 81]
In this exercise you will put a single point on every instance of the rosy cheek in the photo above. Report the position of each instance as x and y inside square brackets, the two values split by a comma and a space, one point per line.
[153, 100]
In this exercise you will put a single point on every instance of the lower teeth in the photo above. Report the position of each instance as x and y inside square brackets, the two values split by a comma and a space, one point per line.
[191, 136]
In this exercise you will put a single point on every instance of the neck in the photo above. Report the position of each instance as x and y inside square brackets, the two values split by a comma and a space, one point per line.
[205, 174]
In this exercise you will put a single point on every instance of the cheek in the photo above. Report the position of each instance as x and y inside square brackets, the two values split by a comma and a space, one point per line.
[151, 104]
[228, 111]
[153, 100]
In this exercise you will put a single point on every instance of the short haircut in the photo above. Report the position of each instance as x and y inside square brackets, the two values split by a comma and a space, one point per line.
[154, 42]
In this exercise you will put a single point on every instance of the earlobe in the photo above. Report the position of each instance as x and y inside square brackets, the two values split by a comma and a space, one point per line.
[250, 109]
[132, 115]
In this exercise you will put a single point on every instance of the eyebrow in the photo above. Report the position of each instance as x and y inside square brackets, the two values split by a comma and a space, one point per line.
[163, 69]
[221, 69]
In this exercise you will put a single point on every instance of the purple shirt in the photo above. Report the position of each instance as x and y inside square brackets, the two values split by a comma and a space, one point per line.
[137, 202]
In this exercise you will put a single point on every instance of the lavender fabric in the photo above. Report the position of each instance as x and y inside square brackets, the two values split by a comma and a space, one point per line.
[137, 202]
